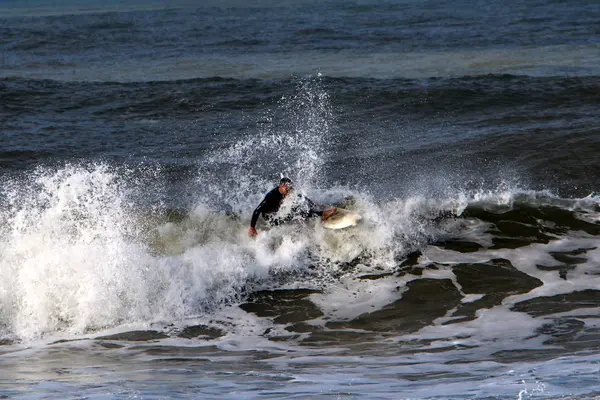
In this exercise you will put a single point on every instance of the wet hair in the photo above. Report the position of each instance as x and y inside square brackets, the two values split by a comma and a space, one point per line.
[285, 181]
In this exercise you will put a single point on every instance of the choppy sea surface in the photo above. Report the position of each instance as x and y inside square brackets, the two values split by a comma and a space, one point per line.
[137, 137]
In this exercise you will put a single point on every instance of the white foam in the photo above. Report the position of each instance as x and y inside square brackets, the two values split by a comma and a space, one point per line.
[470, 298]
[352, 297]
[494, 329]
[294, 145]
[76, 259]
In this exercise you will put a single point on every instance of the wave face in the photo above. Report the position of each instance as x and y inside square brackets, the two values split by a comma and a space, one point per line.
[84, 250]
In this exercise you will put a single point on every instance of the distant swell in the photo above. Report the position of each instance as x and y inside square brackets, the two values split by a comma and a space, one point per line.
[464, 94]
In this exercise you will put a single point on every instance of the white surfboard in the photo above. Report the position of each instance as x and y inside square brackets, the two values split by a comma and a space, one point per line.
[341, 219]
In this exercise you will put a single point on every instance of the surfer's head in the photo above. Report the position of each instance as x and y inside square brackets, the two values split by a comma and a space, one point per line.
[285, 185]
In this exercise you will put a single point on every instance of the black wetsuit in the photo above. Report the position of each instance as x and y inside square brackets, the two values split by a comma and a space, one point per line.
[271, 203]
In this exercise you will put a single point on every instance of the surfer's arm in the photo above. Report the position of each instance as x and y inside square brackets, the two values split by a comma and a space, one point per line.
[265, 206]
[252, 230]
[256, 214]
[314, 211]
[312, 207]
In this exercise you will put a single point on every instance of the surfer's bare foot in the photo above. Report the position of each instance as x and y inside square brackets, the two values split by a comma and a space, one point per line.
[328, 213]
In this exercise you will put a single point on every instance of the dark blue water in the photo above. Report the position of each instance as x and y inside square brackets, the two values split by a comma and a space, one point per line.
[137, 137]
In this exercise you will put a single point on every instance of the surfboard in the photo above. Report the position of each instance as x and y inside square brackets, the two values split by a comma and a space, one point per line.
[341, 219]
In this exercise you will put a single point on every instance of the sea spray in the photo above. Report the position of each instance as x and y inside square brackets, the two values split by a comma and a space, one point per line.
[69, 236]
[77, 257]
[292, 139]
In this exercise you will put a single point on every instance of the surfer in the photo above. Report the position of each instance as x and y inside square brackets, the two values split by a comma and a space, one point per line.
[270, 205]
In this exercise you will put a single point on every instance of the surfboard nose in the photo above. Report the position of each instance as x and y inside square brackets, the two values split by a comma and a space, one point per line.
[341, 218]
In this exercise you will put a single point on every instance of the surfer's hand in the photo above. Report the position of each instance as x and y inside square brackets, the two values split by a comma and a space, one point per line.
[252, 232]
[328, 213]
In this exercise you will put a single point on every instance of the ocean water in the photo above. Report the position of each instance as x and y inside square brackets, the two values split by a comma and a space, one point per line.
[137, 137]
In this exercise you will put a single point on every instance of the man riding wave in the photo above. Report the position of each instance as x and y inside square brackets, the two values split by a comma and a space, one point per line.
[302, 207]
